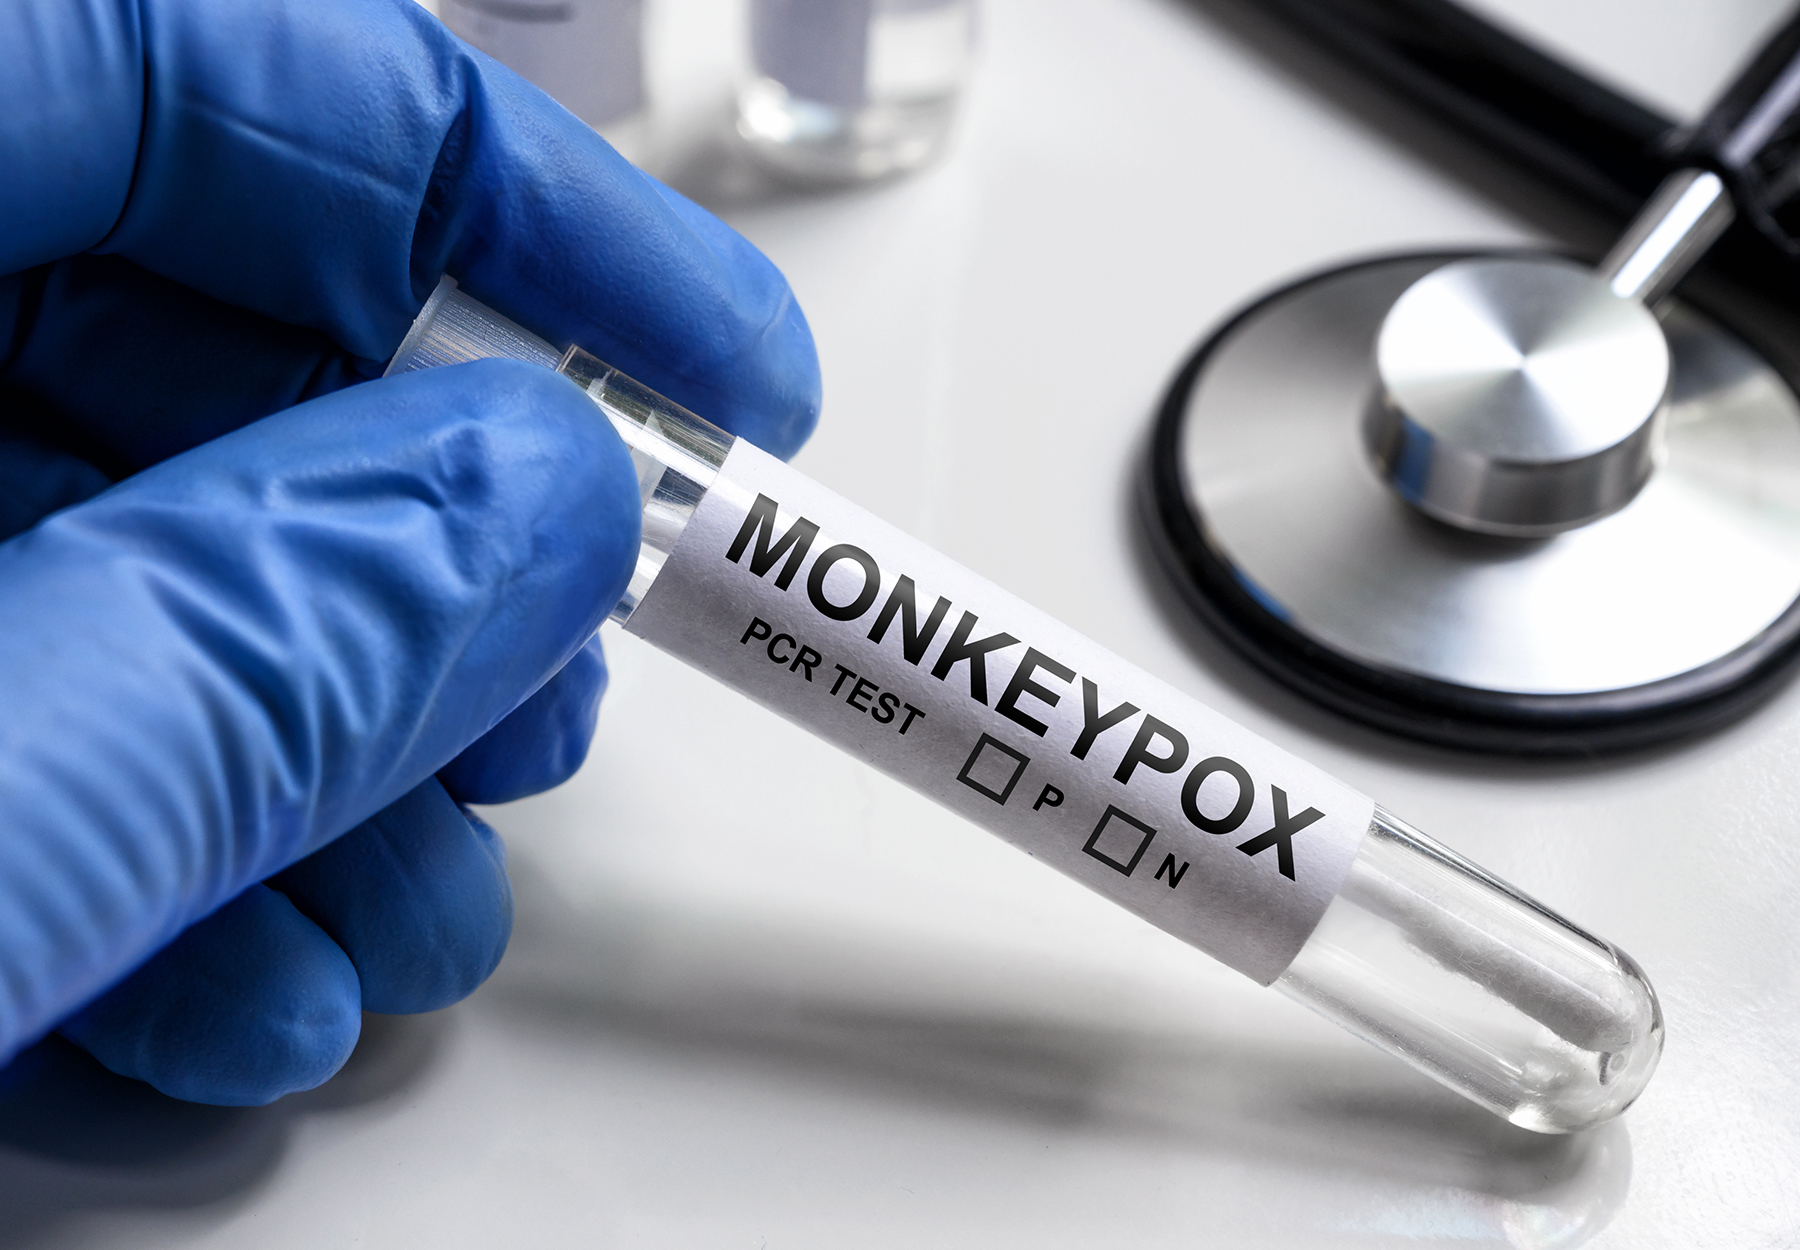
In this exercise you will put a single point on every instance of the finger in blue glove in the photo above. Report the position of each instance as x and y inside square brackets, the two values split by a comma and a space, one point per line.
[541, 742]
[416, 896]
[324, 162]
[251, 1003]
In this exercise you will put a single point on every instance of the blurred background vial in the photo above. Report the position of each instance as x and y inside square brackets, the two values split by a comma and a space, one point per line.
[845, 91]
[589, 54]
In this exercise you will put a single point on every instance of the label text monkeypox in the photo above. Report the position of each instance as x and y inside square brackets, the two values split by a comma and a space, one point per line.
[868, 638]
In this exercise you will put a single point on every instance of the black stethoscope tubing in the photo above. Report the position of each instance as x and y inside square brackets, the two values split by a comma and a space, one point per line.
[1574, 135]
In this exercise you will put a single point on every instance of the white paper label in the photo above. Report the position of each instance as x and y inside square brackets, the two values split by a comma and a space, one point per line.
[847, 626]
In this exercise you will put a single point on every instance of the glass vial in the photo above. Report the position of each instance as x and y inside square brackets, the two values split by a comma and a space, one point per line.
[1419, 951]
[846, 91]
[587, 54]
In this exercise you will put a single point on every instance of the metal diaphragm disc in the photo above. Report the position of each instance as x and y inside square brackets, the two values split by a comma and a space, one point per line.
[1665, 618]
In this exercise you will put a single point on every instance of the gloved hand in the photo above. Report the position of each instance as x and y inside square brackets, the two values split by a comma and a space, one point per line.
[244, 690]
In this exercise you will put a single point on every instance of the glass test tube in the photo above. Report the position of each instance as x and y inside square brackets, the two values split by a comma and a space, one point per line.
[1338, 904]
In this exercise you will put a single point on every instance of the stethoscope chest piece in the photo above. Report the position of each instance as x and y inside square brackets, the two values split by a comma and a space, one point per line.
[1486, 501]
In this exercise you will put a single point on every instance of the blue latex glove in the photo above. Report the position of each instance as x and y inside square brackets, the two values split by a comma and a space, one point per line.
[244, 690]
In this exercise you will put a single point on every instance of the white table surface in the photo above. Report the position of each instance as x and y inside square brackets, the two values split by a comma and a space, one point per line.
[734, 1016]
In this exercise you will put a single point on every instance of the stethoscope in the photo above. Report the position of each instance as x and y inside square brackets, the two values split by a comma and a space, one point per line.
[1508, 501]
